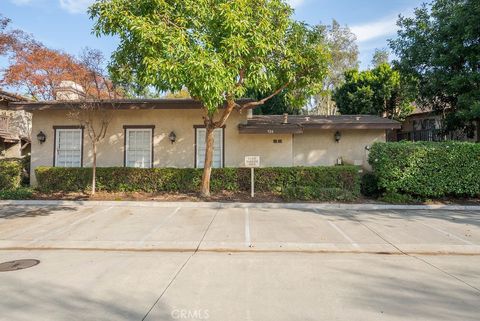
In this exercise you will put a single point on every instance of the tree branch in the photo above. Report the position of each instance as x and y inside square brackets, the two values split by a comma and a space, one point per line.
[254, 104]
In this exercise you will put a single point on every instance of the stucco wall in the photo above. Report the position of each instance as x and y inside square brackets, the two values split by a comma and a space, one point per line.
[318, 147]
[180, 154]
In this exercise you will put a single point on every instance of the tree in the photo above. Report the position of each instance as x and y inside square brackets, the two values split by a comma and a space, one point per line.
[39, 70]
[380, 56]
[94, 111]
[344, 51]
[439, 49]
[217, 49]
[374, 92]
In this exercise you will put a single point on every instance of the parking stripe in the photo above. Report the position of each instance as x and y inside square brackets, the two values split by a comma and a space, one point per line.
[155, 230]
[348, 238]
[68, 227]
[447, 233]
[248, 241]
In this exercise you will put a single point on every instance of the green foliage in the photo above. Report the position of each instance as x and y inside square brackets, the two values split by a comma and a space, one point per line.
[309, 193]
[277, 105]
[374, 92]
[321, 182]
[20, 193]
[10, 174]
[216, 49]
[397, 198]
[369, 185]
[427, 169]
[380, 56]
[438, 49]
[343, 48]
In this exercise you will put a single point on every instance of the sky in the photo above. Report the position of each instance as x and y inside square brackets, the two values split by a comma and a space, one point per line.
[64, 24]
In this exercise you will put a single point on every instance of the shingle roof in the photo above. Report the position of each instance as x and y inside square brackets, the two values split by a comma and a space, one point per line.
[6, 96]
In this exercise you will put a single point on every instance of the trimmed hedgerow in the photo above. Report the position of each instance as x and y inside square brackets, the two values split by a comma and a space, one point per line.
[427, 169]
[10, 174]
[309, 183]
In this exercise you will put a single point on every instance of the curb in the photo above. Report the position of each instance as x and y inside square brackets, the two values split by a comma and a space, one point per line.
[219, 205]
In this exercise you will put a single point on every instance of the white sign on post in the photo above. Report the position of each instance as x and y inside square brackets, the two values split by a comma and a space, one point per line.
[252, 162]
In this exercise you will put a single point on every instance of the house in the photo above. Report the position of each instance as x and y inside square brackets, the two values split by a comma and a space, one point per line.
[427, 125]
[170, 133]
[14, 128]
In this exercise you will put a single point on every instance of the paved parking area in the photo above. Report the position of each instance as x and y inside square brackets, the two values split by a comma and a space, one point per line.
[191, 263]
[239, 229]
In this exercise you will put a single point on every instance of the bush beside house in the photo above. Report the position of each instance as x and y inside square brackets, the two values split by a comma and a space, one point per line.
[11, 177]
[10, 174]
[427, 169]
[293, 183]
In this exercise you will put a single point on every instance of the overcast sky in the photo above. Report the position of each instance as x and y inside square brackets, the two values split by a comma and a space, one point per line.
[63, 24]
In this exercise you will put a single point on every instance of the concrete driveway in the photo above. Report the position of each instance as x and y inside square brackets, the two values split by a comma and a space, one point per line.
[119, 262]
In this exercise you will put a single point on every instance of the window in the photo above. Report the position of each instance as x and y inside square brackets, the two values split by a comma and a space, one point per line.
[138, 147]
[68, 147]
[200, 134]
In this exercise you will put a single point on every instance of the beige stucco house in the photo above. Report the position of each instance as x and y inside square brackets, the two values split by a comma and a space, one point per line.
[169, 133]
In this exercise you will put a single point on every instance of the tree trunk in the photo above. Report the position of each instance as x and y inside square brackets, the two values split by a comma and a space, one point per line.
[94, 168]
[207, 168]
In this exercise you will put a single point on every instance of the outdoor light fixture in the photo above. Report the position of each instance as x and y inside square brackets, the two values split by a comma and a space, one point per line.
[338, 135]
[172, 137]
[41, 137]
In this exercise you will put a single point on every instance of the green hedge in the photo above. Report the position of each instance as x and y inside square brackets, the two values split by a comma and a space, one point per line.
[10, 174]
[427, 169]
[282, 181]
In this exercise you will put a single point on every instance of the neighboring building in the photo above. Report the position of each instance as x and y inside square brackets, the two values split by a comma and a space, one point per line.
[170, 133]
[428, 126]
[14, 128]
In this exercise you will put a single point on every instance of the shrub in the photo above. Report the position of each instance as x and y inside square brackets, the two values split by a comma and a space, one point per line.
[427, 169]
[397, 198]
[369, 185]
[322, 182]
[21, 193]
[10, 174]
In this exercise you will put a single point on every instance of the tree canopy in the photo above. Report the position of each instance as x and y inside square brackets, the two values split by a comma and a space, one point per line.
[439, 48]
[217, 50]
[378, 91]
[344, 51]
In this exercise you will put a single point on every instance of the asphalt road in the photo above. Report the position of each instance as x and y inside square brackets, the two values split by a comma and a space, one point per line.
[149, 263]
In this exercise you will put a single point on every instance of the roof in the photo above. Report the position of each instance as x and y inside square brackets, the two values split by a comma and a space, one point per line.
[121, 104]
[270, 124]
[8, 137]
[6, 96]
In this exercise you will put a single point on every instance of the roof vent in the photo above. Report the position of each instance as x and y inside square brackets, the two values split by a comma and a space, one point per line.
[285, 118]
[357, 118]
[307, 118]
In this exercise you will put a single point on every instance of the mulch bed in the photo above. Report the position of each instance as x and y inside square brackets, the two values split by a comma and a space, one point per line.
[219, 197]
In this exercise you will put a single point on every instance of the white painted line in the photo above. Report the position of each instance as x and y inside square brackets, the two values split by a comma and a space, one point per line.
[155, 230]
[348, 238]
[68, 227]
[447, 233]
[248, 241]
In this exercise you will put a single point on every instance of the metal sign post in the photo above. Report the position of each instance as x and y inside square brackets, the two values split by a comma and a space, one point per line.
[252, 162]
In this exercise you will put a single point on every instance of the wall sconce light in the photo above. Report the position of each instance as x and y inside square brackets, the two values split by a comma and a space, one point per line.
[172, 137]
[41, 137]
[367, 148]
[338, 135]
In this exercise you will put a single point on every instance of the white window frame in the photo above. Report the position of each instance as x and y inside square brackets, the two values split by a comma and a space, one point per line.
[199, 138]
[128, 130]
[57, 145]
